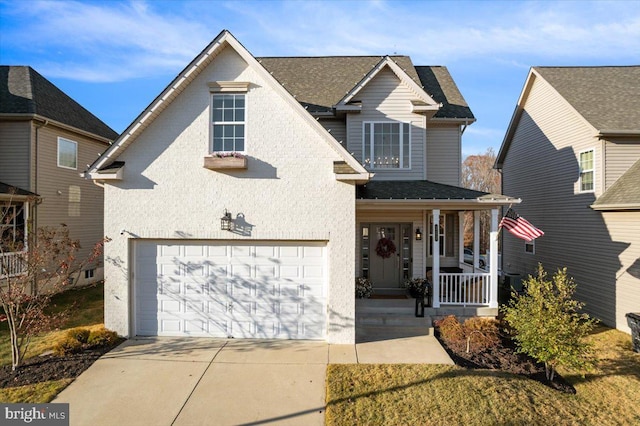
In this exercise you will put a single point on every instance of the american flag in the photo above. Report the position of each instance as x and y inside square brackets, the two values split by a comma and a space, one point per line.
[519, 226]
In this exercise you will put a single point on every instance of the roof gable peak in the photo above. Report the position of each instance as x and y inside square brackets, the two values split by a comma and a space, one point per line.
[386, 61]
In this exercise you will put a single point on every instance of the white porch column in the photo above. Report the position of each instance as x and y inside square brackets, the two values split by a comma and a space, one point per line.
[493, 260]
[435, 253]
[461, 217]
[476, 239]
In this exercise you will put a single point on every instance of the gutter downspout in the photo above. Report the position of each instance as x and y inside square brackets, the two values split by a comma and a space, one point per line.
[34, 284]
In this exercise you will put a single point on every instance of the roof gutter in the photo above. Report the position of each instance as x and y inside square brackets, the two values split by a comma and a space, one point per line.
[604, 207]
[41, 118]
[618, 133]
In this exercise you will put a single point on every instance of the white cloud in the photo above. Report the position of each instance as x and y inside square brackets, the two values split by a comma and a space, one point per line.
[107, 41]
[114, 41]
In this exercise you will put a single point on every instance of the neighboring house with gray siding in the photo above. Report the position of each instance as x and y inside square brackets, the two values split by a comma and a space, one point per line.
[572, 153]
[46, 142]
[348, 165]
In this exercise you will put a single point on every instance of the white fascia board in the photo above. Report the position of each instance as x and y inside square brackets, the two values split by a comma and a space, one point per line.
[117, 175]
[359, 178]
[158, 104]
[614, 207]
[413, 204]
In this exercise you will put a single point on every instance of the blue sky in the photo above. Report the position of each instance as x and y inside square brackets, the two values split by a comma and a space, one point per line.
[114, 57]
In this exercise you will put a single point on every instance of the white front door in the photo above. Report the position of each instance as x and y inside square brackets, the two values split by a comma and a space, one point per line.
[230, 289]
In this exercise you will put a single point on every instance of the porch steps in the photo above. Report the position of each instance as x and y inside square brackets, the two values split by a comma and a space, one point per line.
[395, 318]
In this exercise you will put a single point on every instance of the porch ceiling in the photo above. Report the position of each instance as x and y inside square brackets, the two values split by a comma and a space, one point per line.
[424, 193]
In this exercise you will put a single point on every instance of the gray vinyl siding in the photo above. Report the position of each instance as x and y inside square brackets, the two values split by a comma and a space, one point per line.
[618, 157]
[385, 98]
[541, 167]
[337, 128]
[61, 189]
[15, 153]
[624, 228]
[444, 154]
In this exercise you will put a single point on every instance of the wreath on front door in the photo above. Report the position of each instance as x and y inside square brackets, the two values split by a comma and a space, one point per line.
[385, 248]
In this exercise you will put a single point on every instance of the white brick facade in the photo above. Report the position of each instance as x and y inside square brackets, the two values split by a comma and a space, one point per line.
[287, 192]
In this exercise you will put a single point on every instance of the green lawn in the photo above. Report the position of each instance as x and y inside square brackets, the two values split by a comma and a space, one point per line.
[87, 311]
[439, 394]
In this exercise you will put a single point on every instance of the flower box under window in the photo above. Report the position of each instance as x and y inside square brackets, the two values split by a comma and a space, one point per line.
[214, 162]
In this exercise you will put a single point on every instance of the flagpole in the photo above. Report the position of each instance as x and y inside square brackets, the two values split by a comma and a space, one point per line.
[500, 227]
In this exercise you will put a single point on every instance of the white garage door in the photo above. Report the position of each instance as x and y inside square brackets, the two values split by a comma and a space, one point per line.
[230, 289]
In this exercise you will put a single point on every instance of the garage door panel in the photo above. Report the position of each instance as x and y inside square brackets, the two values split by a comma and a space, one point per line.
[259, 290]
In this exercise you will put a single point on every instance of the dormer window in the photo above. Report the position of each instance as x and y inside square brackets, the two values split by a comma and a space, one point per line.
[386, 145]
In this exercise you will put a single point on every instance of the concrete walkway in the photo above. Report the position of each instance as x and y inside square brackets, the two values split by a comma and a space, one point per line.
[198, 381]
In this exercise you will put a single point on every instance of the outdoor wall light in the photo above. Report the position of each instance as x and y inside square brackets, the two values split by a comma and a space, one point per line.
[418, 234]
[225, 221]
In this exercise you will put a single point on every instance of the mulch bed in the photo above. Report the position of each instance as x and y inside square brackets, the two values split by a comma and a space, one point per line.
[50, 367]
[503, 357]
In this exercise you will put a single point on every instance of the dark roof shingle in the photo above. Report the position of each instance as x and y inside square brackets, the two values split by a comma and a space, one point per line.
[624, 191]
[25, 91]
[608, 97]
[321, 82]
[414, 190]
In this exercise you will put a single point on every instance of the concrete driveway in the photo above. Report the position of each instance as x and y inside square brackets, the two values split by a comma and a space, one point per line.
[191, 381]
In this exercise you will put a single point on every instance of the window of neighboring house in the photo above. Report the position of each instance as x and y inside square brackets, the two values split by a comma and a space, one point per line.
[587, 171]
[228, 118]
[386, 145]
[530, 247]
[67, 154]
[12, 228]
[88, 273]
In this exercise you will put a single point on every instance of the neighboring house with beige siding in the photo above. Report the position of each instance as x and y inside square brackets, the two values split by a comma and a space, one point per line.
[331, 180]
[572, 153]
[47, 140]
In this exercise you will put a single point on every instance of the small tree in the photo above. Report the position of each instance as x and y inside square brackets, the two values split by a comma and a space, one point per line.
[547, 324]
[50, 265]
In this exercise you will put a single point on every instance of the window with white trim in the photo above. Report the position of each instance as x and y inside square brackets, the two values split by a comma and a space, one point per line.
[67, 154]
[587, 171]
[386, 145]
[530, 247]
[228, 115]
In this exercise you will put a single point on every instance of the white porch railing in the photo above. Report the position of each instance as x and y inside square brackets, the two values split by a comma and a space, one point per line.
[465, 288]
[12, 264]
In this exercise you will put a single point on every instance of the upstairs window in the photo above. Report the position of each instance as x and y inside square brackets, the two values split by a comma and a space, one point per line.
[386, 145]
[67, 154]
[587, 171]
[228, 115]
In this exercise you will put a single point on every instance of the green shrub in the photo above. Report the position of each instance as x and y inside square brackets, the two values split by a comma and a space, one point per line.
[547, 324]
[68, 345]
[79, 333]
[102, 337]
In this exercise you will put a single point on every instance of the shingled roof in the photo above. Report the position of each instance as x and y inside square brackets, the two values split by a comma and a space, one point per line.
[422, 190]
[608, 97]
[624, 194]
[25, 91]
[321, 82]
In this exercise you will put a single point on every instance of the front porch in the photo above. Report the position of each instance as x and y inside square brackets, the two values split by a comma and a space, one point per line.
[12, 264]
[384, 319]
[423, 229]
